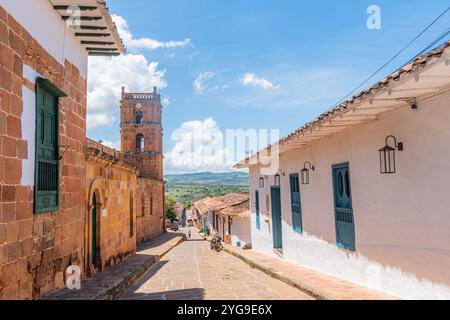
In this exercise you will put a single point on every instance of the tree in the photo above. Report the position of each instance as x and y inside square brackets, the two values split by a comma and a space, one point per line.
[187, 204]
[170, 208]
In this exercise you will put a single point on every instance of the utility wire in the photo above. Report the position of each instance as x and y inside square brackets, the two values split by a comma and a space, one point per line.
[395, 56]
[432, 45]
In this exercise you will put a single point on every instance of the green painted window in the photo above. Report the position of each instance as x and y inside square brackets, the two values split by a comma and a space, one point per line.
[258, 216]
[295, 203]
[47, 146]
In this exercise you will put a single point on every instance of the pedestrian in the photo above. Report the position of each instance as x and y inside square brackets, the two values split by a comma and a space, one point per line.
[189, 234]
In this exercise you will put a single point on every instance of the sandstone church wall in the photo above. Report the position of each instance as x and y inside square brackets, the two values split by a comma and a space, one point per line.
[36, 249]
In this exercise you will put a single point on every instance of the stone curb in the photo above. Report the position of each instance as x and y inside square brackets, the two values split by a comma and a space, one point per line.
[286, 278]
[117, 287]
[131, 278]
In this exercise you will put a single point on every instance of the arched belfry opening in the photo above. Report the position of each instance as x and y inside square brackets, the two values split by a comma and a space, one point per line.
[139, 117]
[140, 143]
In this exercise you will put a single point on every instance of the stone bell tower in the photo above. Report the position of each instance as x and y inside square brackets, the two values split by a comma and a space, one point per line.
[141, 132]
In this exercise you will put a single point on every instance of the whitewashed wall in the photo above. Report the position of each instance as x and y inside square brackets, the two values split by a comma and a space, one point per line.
[241, 231]
[47, 27]
[402, 221]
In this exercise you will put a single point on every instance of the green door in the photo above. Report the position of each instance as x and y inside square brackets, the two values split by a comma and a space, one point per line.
[343, 210]
[94, 230]
[295, 203]
[258, 216]
[46, 192]
[276, 218]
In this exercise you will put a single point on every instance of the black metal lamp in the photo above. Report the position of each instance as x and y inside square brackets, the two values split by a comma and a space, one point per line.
[261, 182]
[277, 178]
[305, 172]
[387, 155]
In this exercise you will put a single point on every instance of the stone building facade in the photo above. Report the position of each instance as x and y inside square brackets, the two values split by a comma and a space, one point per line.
[51, 179]
[110, 228]
[141, 145]
[35, 249]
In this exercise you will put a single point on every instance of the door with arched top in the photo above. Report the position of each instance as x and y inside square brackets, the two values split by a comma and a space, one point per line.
[343, 209]
[95, 231]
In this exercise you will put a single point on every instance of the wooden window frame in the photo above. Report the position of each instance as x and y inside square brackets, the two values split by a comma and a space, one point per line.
[257, 210]
[45, 85]
[297, 229]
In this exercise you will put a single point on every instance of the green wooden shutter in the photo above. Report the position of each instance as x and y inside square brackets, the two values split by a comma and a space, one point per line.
[47, 147]
[295, 203]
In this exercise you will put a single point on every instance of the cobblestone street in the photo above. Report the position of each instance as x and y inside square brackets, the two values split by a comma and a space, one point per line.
[191, 271]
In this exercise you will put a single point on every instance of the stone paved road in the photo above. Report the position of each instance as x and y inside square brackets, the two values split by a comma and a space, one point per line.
[191, 271]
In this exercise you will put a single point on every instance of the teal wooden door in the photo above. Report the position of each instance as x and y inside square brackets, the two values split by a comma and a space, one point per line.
[276, 218]
[94, 231]
[46, 188]
[258, 216]
[295, 203]
[343, 209]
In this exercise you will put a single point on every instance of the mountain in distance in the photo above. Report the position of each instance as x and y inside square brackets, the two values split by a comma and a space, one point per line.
[237, 178]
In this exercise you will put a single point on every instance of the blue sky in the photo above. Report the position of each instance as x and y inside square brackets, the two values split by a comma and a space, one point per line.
[300, 58]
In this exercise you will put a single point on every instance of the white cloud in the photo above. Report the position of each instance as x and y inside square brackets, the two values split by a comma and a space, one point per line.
[199, 146]
[250, 80]
[95, 120]
[112, 144]
[143, 43]
[200, 84]
[314, 90]
[106, 77]
[165, 101]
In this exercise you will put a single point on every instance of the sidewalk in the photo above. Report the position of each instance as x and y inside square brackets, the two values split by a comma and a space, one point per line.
[115, 280]
[319, 285]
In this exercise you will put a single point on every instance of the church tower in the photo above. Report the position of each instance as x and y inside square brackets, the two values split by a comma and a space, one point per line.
[141, 132]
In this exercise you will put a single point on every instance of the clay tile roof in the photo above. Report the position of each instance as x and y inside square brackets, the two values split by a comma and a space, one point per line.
[219, 203]
[201, 206]
[97, 31]
[241, 210]
[233, 204]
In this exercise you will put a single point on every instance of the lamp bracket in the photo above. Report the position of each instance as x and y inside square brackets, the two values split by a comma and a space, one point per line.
[311, 167]
[399, 146]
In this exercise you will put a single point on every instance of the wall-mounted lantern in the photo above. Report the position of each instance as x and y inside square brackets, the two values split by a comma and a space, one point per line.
[261, 182]
[305, 172]
[277, 178]
[387, 155]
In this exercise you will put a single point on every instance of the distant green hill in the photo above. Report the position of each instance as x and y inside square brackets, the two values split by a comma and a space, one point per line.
[209, 178]
[187, 187]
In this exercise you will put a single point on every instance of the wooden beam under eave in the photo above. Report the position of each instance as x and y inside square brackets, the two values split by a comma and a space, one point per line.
[99, 43]
[82, 18]
[104, 54]
[84, 34]
[81, 8]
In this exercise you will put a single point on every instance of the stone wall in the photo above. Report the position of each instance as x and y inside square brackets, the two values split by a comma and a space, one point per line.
[35, 250]
[149, 160]
[150, 208]
[114, 184]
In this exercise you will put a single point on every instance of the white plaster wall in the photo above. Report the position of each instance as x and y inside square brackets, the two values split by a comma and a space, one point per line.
[402, 221]
[29, 126]
[29, 134]
[47, 27]
[241, 231]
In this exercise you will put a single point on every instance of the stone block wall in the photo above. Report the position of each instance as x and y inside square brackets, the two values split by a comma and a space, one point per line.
[150, 209]
[114, 183]
[35, 250]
